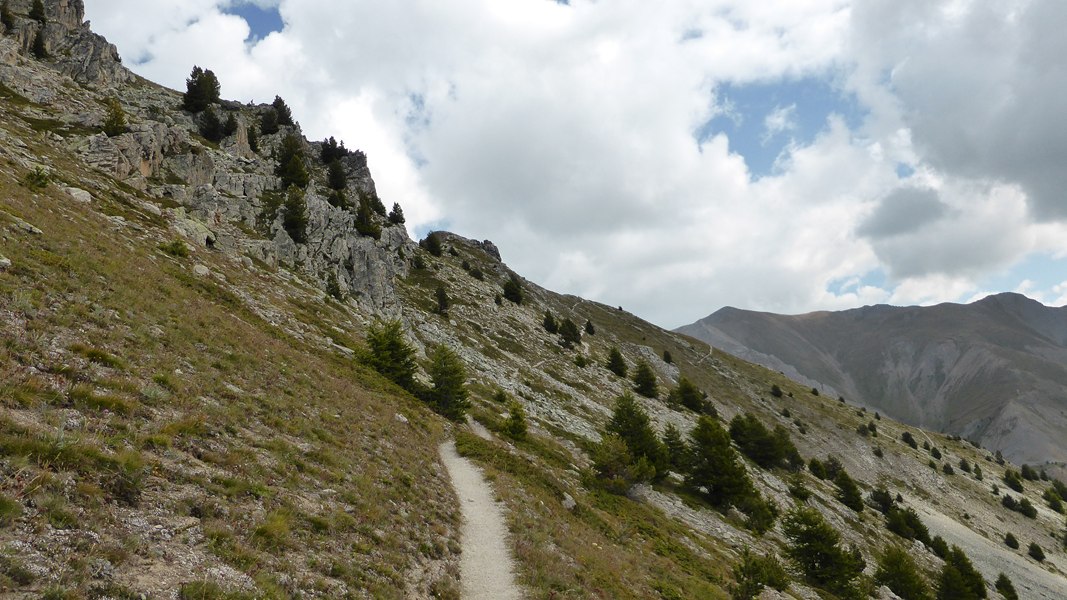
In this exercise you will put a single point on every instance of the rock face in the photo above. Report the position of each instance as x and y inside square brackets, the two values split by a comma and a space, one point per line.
[994, 371]
[86, 57]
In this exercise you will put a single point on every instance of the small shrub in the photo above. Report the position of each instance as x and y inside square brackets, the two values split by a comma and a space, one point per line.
[1013, 480]
[776, 391]
[1036, 552]
[1010, 541]
[10, 510]
[515, 425]
[1005, 588]
[37, 179]
[176, 248]
[754, 573]
[513, 289]
[909, 439]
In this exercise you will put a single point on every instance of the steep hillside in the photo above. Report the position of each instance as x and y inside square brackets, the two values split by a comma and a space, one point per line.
[186, 409]
[994, 371]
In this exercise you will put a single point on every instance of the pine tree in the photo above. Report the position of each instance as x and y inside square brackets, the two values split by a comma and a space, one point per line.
[631, 423]
[115, 121]
[365, 223]
[268, 122]
[688, 395]
[1036, 552]
[815, 548]
[589, 329]
[389, 354]
[667, 358]
[230, 127]
[39, 49]
[645, 380]
[897, 571]
[549, 323]
[513, 289]
[615, 467]
[677, 451]
[515, 425]
[37, 12]
[616, 364]
[332, 151]
[848, 492]
[211, 127]
[569, 336]
[6, 18]
[431, 243]
[201, 90]
[282, 112]
[253, 139]
[294, 219]
[335, 176]
[952, 586]
[396, 216]
[1011, 541]
[754, 573]
[970, 576]
[290, 168]
[443, 301]
[448, 396]
[716, 466]
[1005, 588]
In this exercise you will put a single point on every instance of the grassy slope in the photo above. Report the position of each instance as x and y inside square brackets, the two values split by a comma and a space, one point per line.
[151, 419]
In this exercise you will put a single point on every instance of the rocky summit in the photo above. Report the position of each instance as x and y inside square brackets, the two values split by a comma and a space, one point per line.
[227, 371]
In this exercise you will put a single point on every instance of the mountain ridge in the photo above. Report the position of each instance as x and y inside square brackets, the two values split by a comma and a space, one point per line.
[918, 363]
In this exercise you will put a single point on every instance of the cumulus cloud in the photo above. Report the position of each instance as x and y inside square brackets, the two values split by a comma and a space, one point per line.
[565, 133]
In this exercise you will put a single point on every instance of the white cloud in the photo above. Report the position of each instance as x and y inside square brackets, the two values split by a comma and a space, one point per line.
[564, 134]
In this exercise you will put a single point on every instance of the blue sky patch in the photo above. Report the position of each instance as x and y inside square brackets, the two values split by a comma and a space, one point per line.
[764, 119]
[1042, 270]
[262, 22]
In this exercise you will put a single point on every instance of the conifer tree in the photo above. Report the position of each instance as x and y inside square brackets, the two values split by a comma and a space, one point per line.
[282, 112]
[615, 467]
[335, 176]
[201, 90]
[589, 328]
[569, 336]
[615, 363]
[332, 151]
[952, 586]
[365, 224]
[645, 380]
[631, 423]
[294, 219]
[115, 121]
[230, 127]
[431, 243]
[667, 358]
[211, 127]
[443, 301]
[39, 49]
[1036, 552]
[549, 323]
[389, 354]
[515, 425]
[291, 169]
[513, 289]
[688, 395]
[448, 396]
[754, 573]
[716, 466]
[1005, 588]
[677, 451]
[815, 548]
[268, 122]
[37, 12]
[848, 492]
[971, 578]
[396, 216]
[898, 571]
[253, 139]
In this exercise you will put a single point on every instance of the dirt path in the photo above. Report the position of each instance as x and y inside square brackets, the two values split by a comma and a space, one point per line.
[486, 569]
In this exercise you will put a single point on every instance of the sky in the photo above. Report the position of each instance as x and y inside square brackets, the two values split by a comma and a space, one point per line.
[674, 158]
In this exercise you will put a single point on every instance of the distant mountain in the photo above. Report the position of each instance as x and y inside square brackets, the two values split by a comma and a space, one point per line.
[994, 371]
